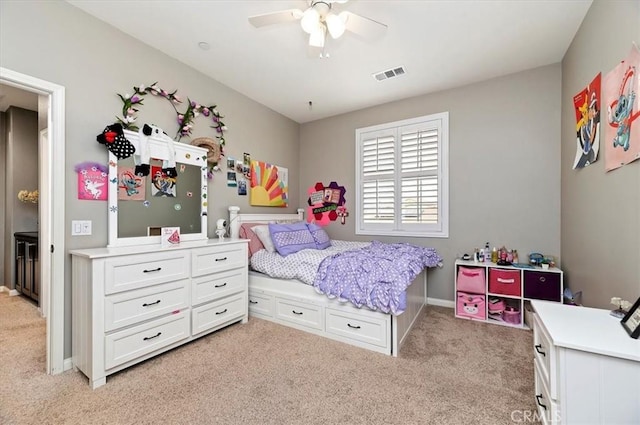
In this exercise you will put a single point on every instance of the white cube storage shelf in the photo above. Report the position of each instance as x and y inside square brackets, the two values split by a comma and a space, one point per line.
[488, 292]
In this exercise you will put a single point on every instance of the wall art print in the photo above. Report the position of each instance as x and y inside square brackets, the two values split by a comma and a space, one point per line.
[622, 129]
[587, 108]
[269, 185]
[130, 186]
[92, 181]
[161, 184]
[326, 203]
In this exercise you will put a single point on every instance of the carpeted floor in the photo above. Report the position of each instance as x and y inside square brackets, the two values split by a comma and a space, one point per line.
[450, 371]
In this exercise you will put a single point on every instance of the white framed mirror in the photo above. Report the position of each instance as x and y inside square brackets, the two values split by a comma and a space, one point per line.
[140, 206]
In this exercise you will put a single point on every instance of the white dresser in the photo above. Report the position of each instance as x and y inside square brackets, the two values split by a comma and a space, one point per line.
[587, 368]
[132, 303]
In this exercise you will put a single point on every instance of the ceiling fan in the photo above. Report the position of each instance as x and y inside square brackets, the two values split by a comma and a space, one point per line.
[319, 19]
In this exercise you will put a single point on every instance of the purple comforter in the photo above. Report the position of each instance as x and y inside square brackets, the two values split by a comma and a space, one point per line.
[376, 276]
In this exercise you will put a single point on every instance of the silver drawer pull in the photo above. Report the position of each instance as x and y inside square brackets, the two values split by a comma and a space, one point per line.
[147, 338]
[152, 270]
[148, 304]
[538, 397]
[295, 312]
[221, 259]
[220, 286]
[253, 302]
[538, 347]
[222, 312]
[353, 327]
[542, 279]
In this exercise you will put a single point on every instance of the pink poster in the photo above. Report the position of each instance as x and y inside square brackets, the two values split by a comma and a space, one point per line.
[92, 181]
[130, 186]
[622, 129]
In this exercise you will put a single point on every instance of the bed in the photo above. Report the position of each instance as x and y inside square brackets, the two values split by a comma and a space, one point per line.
[293, 303]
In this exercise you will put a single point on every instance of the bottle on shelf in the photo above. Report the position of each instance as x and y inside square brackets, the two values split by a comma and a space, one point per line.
[494, 255]
[487, 252]
[515, 256]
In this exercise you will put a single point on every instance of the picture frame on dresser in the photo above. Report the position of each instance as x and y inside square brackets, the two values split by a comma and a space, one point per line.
[631, 321]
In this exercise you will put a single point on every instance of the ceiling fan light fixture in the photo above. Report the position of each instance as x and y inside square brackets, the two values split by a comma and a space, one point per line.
[335, 25]
[310, 20]
[316, 39]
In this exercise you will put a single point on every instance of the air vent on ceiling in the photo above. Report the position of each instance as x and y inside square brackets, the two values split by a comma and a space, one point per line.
[390, 73]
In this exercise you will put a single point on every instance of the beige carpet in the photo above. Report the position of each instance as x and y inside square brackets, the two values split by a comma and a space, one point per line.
[451, 371]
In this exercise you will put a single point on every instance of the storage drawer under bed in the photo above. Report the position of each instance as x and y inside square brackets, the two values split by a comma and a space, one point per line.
[299, 313]
[357, 327]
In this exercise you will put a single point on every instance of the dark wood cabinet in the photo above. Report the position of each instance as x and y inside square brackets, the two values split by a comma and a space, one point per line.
[27, 277]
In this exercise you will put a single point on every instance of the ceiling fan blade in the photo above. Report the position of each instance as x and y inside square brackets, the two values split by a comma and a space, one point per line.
[363, 26]
[275, 17]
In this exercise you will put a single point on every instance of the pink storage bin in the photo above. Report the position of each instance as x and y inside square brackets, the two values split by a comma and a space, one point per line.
[471, 305]
[511, 315]
[471, 279]
[504, 281]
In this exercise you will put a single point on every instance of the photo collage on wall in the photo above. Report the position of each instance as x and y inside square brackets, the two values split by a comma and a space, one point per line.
[238, 173]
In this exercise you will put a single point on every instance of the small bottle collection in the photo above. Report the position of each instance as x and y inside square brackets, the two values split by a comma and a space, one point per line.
[501, 256]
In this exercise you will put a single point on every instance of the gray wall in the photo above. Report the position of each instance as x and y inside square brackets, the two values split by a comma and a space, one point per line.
[3, 201]
[21, 166]
[94, 61]
[504, 144]
[600, 211]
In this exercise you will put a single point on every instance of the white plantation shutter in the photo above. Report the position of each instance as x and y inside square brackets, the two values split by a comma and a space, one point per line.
[378, 184]
[419, 175]
[402, 171]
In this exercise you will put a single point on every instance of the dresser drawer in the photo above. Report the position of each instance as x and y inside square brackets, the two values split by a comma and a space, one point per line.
[218, 285]
[299, 313]
[139, 271]
[131, 307]
[364, 329]
[261, 304]
[215, 259]
[217, 313]
[548, 409]
[542, 285]
[132, 343]
[545, 356]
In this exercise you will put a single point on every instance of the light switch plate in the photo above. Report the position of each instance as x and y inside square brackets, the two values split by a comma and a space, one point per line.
[80, 227]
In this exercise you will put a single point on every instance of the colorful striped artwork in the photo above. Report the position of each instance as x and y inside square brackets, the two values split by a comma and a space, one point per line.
[269, 185]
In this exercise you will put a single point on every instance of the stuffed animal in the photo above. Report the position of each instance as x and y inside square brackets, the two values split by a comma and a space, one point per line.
[113, 137]
[142, 160]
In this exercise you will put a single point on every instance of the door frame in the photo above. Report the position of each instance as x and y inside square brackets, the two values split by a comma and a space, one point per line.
[52, 213]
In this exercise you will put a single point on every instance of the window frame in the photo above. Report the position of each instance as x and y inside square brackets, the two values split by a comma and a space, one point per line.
[397, 228]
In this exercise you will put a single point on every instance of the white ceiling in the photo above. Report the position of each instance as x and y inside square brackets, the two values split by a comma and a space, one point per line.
[442, 44]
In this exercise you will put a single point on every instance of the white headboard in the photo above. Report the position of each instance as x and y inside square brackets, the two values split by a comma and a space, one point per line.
[236, 219]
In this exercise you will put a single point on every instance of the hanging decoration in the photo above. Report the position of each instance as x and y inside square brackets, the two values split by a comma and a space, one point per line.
[326, 203]
[621, 97]
[92, 181]
[131, 106]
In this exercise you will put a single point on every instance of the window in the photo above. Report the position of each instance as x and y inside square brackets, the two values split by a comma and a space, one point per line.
[402, 178]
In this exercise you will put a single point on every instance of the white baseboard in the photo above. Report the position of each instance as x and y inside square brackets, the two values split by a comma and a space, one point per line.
[4, 288]
[441, 303]
[67, 364]
[13, 292]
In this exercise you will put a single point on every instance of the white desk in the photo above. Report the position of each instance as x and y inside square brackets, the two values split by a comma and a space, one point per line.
[587, 368]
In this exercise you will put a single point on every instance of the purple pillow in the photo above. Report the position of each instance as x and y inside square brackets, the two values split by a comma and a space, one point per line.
[291, 238]
[319, 235]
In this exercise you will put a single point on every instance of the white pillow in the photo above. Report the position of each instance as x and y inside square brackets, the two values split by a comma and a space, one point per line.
[265, 237]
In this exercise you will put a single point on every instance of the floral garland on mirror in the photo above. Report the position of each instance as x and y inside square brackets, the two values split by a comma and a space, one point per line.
[132, 103]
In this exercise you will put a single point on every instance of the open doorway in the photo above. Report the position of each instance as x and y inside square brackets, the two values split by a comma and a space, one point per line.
[51, 146]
